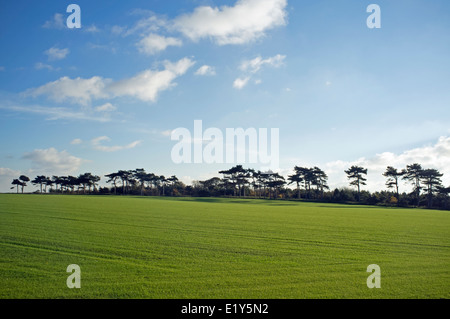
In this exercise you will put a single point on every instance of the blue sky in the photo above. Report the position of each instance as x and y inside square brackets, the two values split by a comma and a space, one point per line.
[106, 96]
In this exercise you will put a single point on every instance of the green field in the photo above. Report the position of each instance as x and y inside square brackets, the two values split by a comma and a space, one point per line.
[147, 247]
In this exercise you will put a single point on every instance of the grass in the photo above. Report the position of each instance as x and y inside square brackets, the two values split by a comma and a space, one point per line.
[147, 247]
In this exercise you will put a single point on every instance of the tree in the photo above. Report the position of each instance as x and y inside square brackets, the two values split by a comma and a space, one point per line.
[296, 178]
[82, 179]
[48, 182]
[126, 177]
[57, 180]
[444, 197]
[93, 180]
[173, 179]
[412, 174]
[431, 178]
[152, 180]
[63, 181]
[307, 174]
[319, 180]
[392, 179]
[112, 178]
[142, 177]
[39, 180]
[355, 174]
[17, 183]
[242, 175]
[24, 179]
[266, 178]
[212, 185]
[275, 182]
[260, 181]
[162, 180]
[253, 175]
[237, 176]
[87, 180]
[71, 182]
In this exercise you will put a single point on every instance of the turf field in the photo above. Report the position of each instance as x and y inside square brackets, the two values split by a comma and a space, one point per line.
[148, 247]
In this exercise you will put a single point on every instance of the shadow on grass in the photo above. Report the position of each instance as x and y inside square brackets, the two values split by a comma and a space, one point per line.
[227, 200]
[260, 201]
[348, 206]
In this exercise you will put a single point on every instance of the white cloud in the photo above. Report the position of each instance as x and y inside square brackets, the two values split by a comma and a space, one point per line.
[240, 83]
[251, 67]
[107, 107]
[9, 172]
[246, 21]
[154, 43]
[7, 175]
[55, 113]
[2, 68]
[41, 66]
[151, 23]
[205, 70]
[257, 63]
[91, 29]
[96, 143]
[107, 47]
[52, 161]
[57, 22]
[145, 86]
[76, 141]
[165, 133]
[148, 84]
[56, 54]
[73, 90]
[433, 156]
[117, 30]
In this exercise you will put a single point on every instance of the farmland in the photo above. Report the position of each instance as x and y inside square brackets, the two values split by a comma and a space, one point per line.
[153, 247]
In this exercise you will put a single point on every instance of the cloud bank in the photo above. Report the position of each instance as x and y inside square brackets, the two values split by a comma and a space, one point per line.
[145, 86]
[52, 161]
[246, 21]
[431, 156]
[96, 143]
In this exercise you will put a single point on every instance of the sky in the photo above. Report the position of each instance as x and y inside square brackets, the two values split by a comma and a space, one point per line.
[108, 95]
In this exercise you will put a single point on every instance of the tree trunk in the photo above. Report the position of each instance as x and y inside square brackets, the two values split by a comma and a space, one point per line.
[418, 191]
[398, 196]
[430, 196]
[359, 192]
[418, 196]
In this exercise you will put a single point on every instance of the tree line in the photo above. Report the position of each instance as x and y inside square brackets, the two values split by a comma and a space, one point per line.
[310, 184]
[65, 183]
